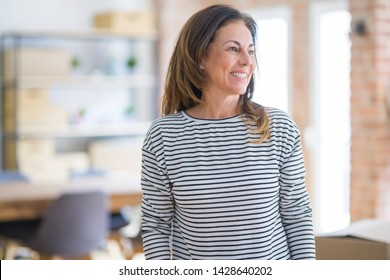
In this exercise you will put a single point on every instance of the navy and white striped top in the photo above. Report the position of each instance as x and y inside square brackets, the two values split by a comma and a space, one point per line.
[209, 192]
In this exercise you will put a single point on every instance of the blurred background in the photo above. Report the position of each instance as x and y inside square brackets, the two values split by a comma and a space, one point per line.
[81, 81]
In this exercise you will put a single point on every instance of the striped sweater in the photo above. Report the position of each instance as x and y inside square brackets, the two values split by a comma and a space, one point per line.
[209, 192]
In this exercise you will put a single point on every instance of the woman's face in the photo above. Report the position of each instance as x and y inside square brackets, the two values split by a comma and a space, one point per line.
[230, 60]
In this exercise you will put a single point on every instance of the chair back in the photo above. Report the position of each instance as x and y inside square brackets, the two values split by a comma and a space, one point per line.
[74, 225]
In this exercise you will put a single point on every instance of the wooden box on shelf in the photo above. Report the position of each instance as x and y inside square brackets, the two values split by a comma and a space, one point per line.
[126, 22]
[26, 62]
[44, 170]
[31, 107]
[108, 155]
[33, 148]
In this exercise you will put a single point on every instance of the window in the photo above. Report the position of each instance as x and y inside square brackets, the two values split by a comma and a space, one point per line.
[272, 77]
[331, 114]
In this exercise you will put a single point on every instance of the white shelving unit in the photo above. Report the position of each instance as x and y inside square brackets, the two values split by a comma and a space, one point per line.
[103, 98]
[90, 81]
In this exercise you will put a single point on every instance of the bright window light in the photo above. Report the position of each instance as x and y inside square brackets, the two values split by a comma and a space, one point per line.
[272, 76]
[332, 118]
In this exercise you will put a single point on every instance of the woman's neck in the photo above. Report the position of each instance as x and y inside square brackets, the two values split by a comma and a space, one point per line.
[221, 109]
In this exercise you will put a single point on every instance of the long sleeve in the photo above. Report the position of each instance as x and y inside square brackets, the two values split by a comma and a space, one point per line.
[294, 202]
[230, 198]
[157, 206]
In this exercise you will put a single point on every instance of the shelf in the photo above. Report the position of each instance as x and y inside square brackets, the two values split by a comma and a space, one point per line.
[100, 81]
[85, 130]
[84, 34]
[43, 96]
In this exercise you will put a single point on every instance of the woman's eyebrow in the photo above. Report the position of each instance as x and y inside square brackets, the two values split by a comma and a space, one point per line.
[237, 43]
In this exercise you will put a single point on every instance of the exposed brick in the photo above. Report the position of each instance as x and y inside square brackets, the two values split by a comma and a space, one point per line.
[370, 155]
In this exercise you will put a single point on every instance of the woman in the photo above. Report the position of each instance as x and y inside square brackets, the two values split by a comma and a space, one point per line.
[222, 177]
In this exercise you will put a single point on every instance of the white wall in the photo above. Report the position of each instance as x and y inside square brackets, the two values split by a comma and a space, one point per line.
[59, 14]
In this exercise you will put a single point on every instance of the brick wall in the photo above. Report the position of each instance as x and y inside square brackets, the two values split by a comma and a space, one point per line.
[370, 77]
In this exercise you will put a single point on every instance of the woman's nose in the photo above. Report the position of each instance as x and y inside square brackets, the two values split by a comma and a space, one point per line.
[245, 58]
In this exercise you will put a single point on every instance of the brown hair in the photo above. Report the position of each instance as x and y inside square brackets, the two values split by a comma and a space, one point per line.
[185, 79]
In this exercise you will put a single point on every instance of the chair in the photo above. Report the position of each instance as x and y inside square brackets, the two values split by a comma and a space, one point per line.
[74, 225]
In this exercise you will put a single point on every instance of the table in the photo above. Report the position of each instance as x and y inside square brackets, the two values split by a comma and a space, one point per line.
[20, 200]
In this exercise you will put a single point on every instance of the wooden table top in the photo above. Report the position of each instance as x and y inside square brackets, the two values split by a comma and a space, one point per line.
[24, 200]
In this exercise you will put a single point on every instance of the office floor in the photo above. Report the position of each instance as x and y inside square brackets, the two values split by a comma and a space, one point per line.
[122, 242]
[114, 249]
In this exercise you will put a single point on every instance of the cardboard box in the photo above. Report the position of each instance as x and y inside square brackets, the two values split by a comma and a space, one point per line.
[35, 148]
[47, 120]
[48, 116]
[363, 240]
[76, 161]
[117, 155]
[45, 170]
[25, 99]
[37, 62]
[33, 108]
[32, 99]
[127, 23]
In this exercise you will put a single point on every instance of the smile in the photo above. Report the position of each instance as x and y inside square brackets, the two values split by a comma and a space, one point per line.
[239, 75]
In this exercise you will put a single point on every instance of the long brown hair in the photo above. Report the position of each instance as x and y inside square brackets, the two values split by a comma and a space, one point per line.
[185, 79]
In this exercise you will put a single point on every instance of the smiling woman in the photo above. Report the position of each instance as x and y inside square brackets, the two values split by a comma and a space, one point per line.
[222, 176]
[228, 65]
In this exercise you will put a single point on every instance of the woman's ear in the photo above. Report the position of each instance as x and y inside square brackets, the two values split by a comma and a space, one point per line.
[201, 64]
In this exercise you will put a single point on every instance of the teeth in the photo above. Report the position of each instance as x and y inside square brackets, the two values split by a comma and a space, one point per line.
[239, 75]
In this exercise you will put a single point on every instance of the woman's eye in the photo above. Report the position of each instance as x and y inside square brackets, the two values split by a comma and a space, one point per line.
[251, 52]
[234, 49]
